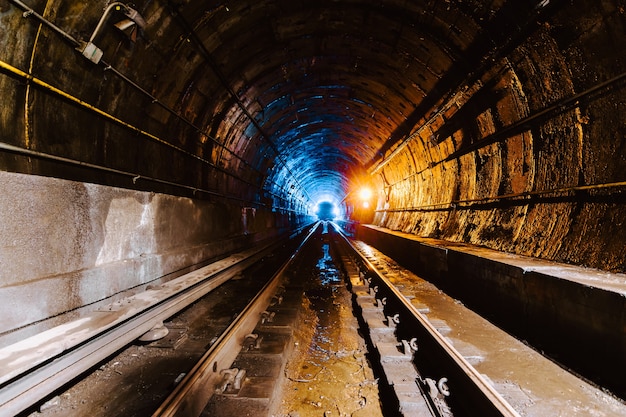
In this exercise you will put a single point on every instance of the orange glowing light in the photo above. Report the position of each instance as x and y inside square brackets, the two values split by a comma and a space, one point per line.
[365, 193]
[366, 204]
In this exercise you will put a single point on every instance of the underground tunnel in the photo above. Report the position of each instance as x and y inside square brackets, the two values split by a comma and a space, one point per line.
[140, 142]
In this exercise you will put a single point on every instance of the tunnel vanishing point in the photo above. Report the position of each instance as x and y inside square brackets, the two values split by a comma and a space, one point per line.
[142, 140]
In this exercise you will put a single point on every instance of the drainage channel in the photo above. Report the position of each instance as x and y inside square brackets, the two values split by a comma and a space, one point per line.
[329, 373]
[305, 356]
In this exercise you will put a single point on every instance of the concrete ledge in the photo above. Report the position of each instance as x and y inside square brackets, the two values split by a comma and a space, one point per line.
[576, 315]
[72, 294]
[66, 246]
[80, 288]
[161, 302]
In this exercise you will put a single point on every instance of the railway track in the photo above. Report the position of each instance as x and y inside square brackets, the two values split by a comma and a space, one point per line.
[214, 370]
[397, 331]
[423, 368]
[237, 331]
[37, 367]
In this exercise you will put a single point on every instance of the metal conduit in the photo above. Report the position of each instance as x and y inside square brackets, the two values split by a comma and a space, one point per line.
[21, 74]
[506, 131]
[177, 115]
[207, 56]
[134, 176]
[107, 67]
[30, 12]
[454, 204]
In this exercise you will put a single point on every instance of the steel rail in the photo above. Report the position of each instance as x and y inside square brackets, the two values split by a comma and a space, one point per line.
[466, 384]
[193, 393]
[37, 366]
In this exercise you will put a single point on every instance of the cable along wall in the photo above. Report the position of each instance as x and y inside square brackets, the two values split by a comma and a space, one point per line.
[513, 164]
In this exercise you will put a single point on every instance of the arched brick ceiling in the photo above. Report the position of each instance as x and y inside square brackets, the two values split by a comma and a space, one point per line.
[320, 89]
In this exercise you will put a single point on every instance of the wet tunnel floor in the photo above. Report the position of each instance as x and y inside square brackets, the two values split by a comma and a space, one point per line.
[328, 373]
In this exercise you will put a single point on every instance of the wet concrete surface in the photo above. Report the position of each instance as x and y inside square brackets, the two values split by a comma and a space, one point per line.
[329, 373]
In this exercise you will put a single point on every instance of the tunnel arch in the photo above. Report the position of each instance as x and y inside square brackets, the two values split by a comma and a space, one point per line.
[494, 123]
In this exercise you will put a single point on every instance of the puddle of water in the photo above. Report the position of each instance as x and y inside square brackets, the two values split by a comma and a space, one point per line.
[326, 269]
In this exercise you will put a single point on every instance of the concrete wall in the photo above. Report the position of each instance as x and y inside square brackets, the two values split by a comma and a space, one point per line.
[66, 244]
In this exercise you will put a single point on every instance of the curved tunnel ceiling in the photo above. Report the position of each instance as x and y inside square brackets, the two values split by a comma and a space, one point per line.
[298, 98]
[322, 89]
[490, 122]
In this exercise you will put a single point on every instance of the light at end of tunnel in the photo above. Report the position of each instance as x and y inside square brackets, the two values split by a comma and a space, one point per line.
[366, 204]
[326, 211]
[365, 194]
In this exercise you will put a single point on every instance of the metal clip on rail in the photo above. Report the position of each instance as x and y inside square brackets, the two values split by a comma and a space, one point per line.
[436, 393]
[410, 346]
[373, 290]
[252, 342]
[158, 331]
[267, 317]
[276, 300]
[232, 380]
[393, 321]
